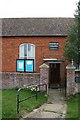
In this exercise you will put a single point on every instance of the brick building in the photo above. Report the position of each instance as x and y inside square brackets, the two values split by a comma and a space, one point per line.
[40, 39]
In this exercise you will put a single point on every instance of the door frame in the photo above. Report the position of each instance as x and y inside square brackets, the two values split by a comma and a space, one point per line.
[54, 74]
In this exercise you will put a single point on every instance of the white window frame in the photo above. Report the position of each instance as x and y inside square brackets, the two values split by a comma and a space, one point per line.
[24, 57]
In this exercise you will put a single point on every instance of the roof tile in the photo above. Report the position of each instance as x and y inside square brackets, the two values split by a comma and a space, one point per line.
[36, 26]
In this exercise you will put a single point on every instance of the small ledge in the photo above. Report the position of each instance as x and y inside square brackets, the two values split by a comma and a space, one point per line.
[77, 70]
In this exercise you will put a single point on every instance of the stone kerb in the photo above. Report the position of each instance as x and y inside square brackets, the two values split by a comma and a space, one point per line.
[70, 79]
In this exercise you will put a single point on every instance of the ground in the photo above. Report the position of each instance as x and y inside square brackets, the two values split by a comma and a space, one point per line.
[55, 107]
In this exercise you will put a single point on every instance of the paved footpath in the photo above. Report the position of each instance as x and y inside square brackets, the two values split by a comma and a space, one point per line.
[55, 107]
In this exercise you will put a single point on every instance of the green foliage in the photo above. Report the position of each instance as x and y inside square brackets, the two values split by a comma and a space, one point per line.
[34, 89]
[72, 34]
[70, 52]
[0, 104]
[9, 103]
[73, 106]
[72, 47]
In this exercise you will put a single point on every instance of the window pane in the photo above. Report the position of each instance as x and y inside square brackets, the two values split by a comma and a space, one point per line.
[31, 51]
[21, 51]
[25, 50]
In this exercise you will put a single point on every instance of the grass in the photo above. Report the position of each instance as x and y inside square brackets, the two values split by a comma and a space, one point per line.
[73, 107]
[9, 103]
[0, 104]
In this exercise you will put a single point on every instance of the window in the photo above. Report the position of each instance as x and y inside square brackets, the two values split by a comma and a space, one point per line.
[25, 65]
[27, 51]
[53, 45]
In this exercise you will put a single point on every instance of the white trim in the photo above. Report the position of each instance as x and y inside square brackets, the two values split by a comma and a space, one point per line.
[77, 70]
[27, 48]
[27, 52]
[49, 59]
[53, 60]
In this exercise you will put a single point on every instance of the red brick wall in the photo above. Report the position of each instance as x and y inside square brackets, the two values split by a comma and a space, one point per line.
[0, 54]
[10, 50]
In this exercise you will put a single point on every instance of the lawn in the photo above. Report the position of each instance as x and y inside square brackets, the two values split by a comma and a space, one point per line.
[9, 103]
[0, 104]
[73, 106]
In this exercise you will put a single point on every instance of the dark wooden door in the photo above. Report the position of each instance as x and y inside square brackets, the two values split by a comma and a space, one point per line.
[54, 74]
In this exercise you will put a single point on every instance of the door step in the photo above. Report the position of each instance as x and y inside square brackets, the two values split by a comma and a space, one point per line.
[55, 86]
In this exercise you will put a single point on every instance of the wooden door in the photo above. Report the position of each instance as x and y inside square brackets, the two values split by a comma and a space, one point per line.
[54, 74]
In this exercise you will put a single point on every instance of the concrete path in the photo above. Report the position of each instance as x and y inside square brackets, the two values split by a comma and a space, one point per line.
[55, 107]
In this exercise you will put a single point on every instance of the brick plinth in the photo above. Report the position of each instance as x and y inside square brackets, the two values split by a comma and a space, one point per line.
[70, 80]
[44, 74]
[73, 86]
